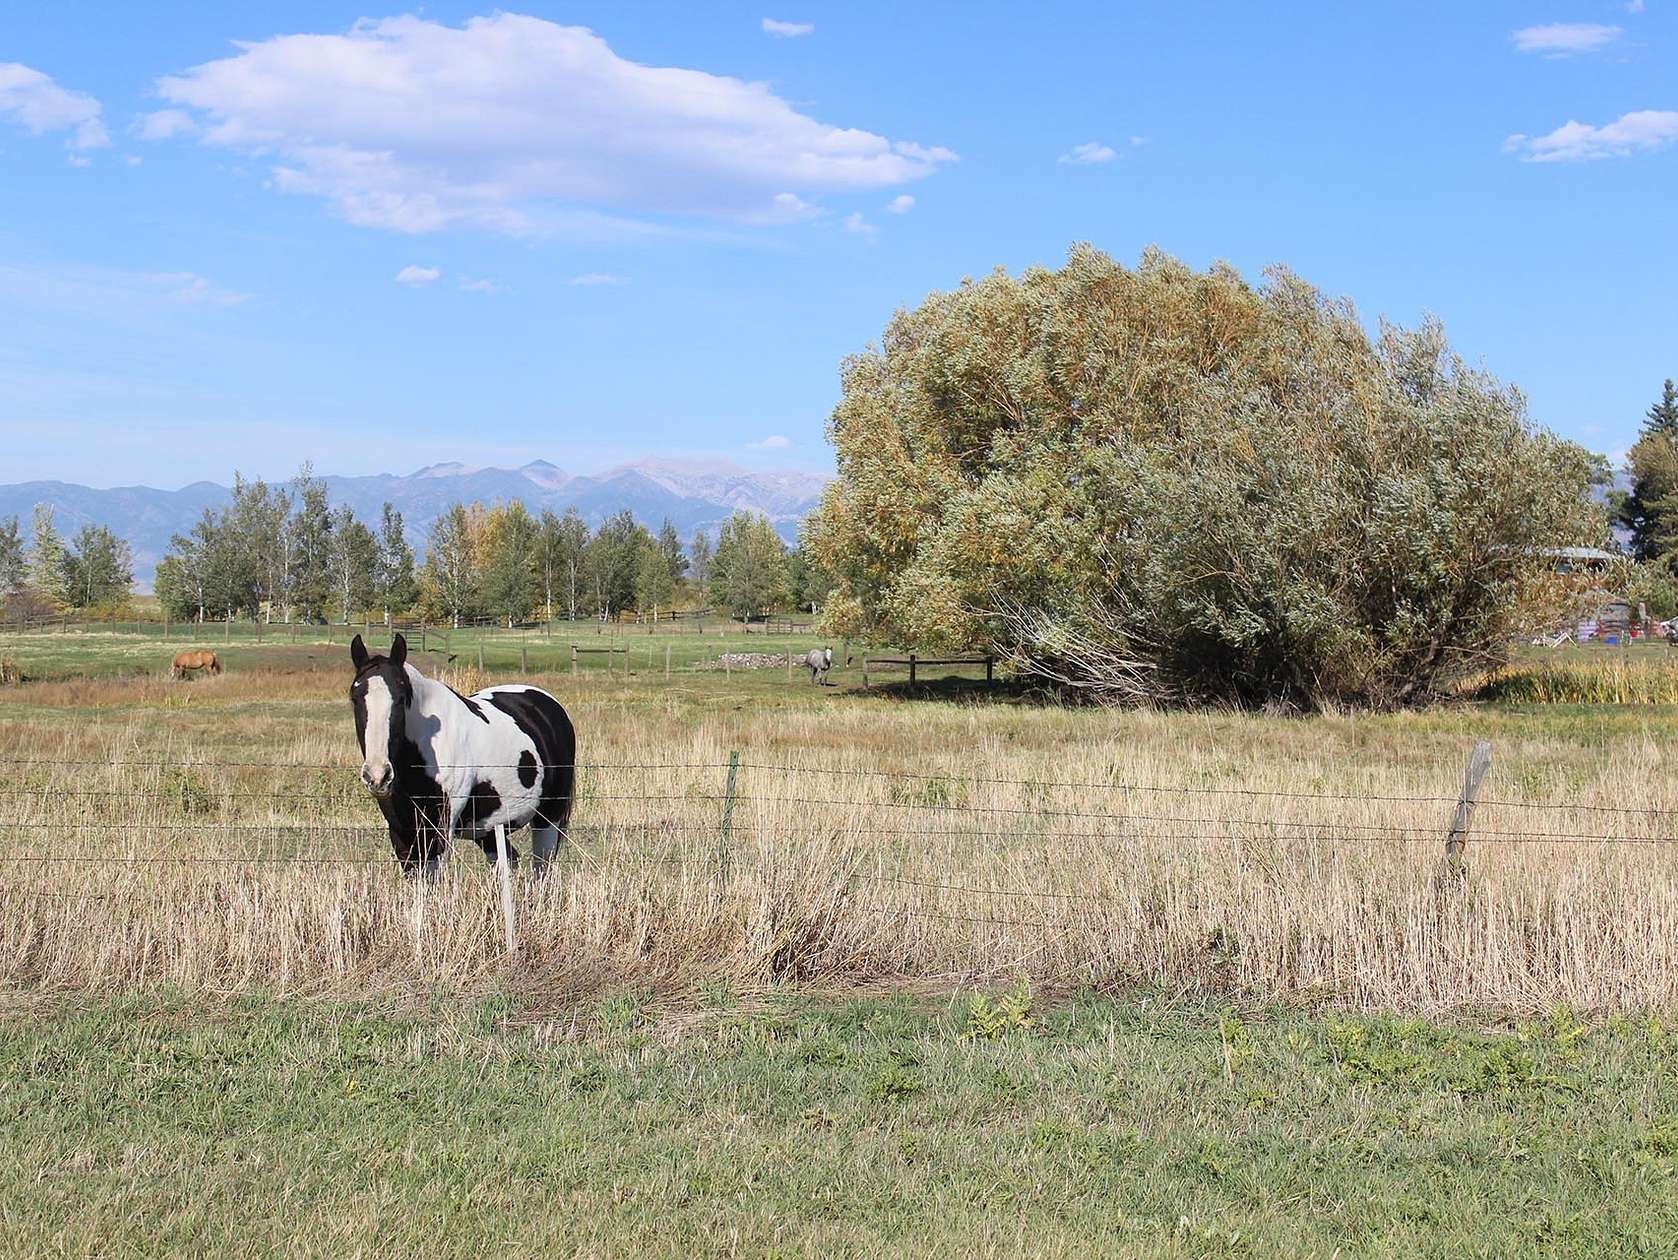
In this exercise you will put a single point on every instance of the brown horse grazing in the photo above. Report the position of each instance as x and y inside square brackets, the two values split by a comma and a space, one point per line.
[194, 659]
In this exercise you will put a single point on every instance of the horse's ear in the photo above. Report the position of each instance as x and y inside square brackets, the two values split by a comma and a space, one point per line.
[398, 650]
[358, 654]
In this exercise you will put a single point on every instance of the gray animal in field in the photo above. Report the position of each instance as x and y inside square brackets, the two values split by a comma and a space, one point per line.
[818, 661]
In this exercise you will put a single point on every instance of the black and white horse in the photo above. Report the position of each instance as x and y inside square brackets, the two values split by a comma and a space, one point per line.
[442, 765]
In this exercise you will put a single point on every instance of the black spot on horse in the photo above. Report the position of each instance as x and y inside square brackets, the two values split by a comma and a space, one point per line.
[527, 768]
[483, 803]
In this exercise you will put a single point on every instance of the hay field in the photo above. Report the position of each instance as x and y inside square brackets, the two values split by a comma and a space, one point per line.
[211, 837]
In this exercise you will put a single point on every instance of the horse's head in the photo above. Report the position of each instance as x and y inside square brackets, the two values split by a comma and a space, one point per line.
[380, 695]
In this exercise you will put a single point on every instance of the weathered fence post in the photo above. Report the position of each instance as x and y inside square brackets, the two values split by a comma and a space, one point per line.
[727, 817]
[911, 669]
[1456, 843]
[990, 670]
[789, 662]
[666, 662]
[422, 635]
[573, 660]
[480, 649]
[524, 659]
[504, 876]
[865, 672]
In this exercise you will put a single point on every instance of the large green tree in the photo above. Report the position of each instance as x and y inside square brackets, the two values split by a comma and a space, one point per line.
[611, 561]
[98, 570]
[749, 567]
[353, 560]
[1172, 485]
[13, 567]
[46, 556]
[1650, 511]
[510, 576]
[450, 577]
[393, 582]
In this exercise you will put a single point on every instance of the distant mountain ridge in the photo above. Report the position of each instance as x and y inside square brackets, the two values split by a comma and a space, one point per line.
[694, 494]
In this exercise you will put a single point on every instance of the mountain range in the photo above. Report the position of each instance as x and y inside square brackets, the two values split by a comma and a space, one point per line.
[694, 495]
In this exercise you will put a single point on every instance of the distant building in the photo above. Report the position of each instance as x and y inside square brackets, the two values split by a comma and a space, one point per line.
[1578, 559]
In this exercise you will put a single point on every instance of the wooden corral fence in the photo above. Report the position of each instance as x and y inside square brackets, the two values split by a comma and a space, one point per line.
[914, 662]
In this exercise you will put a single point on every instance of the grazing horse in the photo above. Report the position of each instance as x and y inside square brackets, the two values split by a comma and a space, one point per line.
[818, 661]
[442, 765]
[193, 659]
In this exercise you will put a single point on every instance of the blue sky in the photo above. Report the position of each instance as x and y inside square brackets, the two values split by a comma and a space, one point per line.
[663, 236]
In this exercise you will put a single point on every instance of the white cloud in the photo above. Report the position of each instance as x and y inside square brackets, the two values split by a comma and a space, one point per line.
[194, 290]
[102, 293]
[856, 225]
[416, 276]
[1634, 6]
[164, 124]
[1136, 142]
[1642, 131]
[901, 204]
[1088, 154]
[480, 286]
[591, 278]
[511, 124]
[1565, 39]
[786, 30]
[37, 104]
[774, 442]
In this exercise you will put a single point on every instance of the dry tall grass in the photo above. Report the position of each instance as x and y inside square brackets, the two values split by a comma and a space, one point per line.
[932, 844]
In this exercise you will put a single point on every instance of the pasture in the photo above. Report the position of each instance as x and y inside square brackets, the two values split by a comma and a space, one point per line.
[950, 969]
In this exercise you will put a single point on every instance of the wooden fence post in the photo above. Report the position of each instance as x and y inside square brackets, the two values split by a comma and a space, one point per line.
[524, 659]
[1456, 843]
[865, 671]
[480, 649]
[990, 669]
[727, 817]
[789, 662]
[504, 875]
[911, 669]
[666, 662]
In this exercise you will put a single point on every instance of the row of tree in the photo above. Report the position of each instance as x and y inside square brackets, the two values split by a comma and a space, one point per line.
[288, 552]
[93, 572]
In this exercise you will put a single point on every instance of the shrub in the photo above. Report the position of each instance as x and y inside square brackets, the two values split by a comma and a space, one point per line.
[1166, 485]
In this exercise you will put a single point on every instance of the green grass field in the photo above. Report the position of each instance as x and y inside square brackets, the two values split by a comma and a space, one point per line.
[789, 1126]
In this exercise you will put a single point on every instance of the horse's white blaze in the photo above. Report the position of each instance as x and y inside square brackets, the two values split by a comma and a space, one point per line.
[376, 760]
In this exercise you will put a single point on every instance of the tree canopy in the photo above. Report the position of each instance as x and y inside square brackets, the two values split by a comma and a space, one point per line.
[1166, 484]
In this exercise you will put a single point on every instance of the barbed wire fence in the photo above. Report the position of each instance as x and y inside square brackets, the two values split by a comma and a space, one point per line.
[722, 812]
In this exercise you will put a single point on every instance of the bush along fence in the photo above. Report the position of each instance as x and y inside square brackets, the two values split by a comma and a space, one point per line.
[226, 873]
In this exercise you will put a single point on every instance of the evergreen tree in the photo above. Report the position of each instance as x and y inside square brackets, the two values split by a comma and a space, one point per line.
[1662, 417]
[1653, 465]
